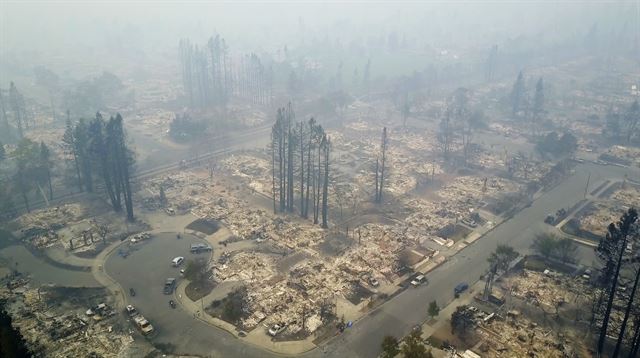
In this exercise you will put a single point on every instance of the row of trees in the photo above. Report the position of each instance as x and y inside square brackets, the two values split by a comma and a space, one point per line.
[548, 245]
[300, 154]
[458, 122]
[206, 72]
[380, 166]
[100, 155]
[211, 78]
[411, 347]
[623, 125]
[16, 110]
[526, 107]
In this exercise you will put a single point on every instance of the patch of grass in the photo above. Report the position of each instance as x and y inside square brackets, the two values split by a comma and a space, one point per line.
[204, 226]
[535, 264]
[231, 308]
[196, 290]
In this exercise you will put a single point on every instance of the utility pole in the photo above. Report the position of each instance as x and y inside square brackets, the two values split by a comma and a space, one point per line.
[586, 188]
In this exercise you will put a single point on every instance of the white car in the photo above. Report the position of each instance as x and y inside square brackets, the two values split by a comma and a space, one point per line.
[418, 280]
[177, 261]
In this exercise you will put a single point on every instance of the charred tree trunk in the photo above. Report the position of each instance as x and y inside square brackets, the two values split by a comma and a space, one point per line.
[301, 139]
[325, 184]
[622, 232]
[626, 315]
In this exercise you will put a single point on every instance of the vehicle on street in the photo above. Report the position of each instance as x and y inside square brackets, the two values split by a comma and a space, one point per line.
[177, 261]
[169, 286]
[460, 288]
[276, 329]
[172, 303]
[418, 280]
[143, 325]
[200, 247]
[132, 292]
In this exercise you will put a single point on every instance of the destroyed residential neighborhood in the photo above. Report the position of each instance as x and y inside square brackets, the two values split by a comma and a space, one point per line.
[320, 179]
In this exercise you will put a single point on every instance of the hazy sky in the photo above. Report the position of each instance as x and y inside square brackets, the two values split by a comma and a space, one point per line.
[42, 24]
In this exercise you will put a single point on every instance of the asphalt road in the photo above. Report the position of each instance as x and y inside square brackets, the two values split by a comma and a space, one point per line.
[20, 258]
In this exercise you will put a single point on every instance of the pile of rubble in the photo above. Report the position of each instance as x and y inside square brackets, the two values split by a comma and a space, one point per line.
[547, 289]
[518, 337]
[428, 215]
[253, 169]
[54, 217]
[598, 217]
[601, 213]
[627, 154]
[53, 331]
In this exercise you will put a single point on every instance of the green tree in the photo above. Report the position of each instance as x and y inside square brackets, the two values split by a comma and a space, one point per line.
[17, 106]
[545, 245]
[27, 158]
[434, 310]
[70, 148]
[414, 347]
[538, 99]
[462, 322]
[566, 250]
[503, 256]
[3, 154]
[81, 147]
[196, 270]
[12, 344]
[631, 119]
[122, 160]
[390, 347]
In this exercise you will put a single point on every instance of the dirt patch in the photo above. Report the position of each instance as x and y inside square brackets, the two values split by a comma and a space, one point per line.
[358, 294]
[230, 309]
[334, 244]
[204, 226]
[287, 262]
[75, 296]
[454, 232]
[197, 290]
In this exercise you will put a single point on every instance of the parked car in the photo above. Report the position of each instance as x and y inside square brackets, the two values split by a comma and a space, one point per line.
[169, 285]
[418, 280]
[276, 329]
